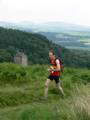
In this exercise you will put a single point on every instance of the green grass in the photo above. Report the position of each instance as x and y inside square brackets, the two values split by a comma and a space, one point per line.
[79, 33]
[21, 89]
[78, 48]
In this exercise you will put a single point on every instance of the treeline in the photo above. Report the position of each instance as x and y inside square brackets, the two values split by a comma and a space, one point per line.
[36, 46]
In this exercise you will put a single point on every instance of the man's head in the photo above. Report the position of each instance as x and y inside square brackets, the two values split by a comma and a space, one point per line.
[51, 55]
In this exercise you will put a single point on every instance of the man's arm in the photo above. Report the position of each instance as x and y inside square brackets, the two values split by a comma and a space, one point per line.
[58, 66]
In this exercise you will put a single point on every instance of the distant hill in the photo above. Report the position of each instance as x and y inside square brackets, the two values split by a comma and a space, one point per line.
[37, 46]
[72, 40]
[55, 27]
[65, 34]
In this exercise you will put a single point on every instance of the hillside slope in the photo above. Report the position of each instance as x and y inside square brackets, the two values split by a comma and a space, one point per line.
[37, 46]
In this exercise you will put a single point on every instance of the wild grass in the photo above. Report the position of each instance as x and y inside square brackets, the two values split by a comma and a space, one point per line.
[21, 88]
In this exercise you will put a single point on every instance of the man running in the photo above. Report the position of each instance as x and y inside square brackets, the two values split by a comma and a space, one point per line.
[54, 74]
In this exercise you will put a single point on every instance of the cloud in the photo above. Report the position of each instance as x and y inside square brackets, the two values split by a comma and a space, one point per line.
[73, 11]
[0, 0]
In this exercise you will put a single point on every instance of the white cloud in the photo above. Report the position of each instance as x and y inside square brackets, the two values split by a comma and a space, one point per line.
[74, 11]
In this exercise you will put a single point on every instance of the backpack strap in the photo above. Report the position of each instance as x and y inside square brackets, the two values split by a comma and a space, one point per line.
[61, 63]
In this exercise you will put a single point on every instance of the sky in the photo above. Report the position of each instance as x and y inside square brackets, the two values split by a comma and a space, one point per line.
[72, 11]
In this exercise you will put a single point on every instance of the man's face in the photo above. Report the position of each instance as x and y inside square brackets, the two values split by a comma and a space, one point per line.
[51, 56]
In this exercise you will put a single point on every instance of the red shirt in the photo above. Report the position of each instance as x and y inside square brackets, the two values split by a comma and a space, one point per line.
[54, 73]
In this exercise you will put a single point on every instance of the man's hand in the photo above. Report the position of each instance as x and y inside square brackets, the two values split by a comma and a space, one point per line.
[50, 69]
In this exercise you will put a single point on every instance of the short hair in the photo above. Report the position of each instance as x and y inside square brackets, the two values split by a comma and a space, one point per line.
[51, 51]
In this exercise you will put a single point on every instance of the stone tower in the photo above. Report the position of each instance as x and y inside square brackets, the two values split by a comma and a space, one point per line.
[21, 58]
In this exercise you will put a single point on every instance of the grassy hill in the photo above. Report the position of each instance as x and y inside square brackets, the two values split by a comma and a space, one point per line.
[36, 47]
[21, 89]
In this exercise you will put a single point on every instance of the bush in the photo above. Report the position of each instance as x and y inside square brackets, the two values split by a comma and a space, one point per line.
[11, 72]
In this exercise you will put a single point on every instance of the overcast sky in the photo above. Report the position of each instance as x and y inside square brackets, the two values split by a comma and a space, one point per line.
[72, 11]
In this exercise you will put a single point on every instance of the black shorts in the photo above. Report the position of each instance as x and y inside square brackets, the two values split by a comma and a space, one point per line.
[56, 78]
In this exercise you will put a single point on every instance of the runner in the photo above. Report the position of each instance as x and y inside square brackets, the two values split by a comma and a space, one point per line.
[54, 74]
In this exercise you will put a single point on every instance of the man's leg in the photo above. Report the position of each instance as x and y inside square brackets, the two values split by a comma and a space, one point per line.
[46, 87]
[58, 85]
